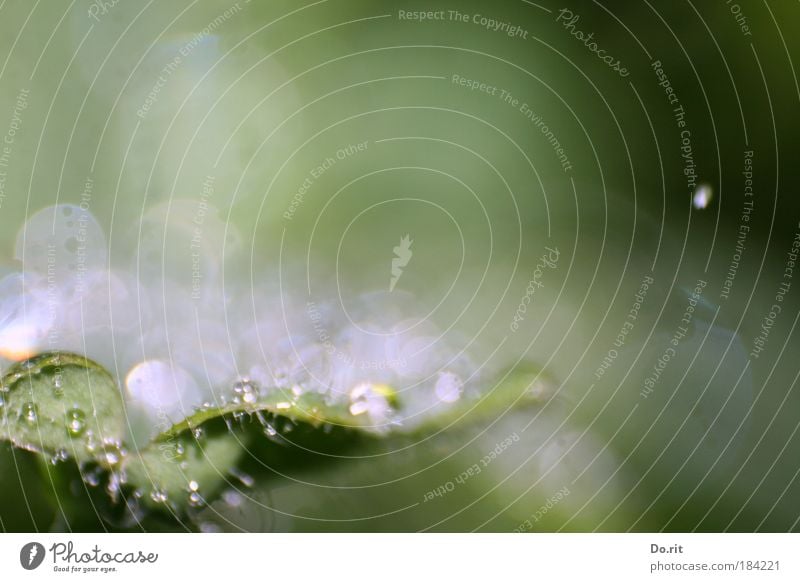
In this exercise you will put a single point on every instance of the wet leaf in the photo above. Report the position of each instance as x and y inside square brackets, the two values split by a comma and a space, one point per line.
[184, 471]
[64, 406]
[309, 408]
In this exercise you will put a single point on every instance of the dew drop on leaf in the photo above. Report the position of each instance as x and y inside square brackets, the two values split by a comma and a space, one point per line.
[448, 387]
[29, 413]
[92, 478]
[158, 495]
[111, 454]
[180, 451]
[58, 386]
[246, 391]
[115, 482]
[375, 400]
[232, 498]
[76, 423]
[243, 478]
[60, 456]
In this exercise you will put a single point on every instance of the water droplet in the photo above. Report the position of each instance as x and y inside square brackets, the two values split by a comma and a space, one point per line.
[115, 482]
[58, 385]
[193, 485]
[283, 405]
[196, 500]
[448, 387]
[29, 413]
[359, 407]
[702, 196]
[60, 456]
[180, 451]
[91, 443]
[246, 390]
[158, 495]
[232, 498]
[199, 434]
[92, 478]
[372, 399]
[76, 422]
[243, 478]
[281, 378]
[209, 527]
[111, 454]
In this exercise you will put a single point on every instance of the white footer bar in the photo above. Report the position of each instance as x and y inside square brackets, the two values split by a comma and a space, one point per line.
[387, 557]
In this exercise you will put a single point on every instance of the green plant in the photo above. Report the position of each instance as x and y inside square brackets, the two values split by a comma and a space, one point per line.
[69, 413]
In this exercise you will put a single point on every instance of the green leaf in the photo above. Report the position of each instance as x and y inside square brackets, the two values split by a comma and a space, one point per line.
[310, 408]
[26, 503]
[188, 464]
[185, 470]
[63, 405]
